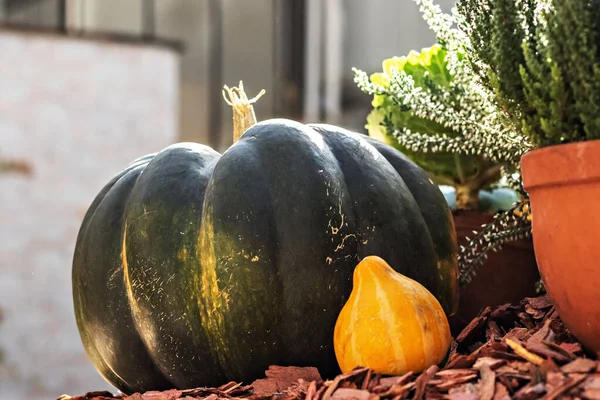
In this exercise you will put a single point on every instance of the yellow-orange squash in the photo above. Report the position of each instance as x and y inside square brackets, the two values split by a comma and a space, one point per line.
[390, 323]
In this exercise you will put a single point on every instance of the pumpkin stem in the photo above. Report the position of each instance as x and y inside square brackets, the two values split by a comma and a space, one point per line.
[243, 112]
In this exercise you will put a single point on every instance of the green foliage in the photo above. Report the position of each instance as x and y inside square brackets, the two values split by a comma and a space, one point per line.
[393, 117]
[508, 226]
[446, 101]
[540, 62]
[540, 59]
[430, 105]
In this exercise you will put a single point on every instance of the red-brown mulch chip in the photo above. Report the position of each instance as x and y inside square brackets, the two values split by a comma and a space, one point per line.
[516, 352]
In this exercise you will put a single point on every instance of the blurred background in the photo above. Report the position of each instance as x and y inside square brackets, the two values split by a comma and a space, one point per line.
[86, 86]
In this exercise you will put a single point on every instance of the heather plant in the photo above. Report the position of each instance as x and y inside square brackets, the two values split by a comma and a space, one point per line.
[410, 116]
[541, 61]
[439, 104]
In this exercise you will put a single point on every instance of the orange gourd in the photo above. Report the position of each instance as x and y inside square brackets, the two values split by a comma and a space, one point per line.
[391, 323]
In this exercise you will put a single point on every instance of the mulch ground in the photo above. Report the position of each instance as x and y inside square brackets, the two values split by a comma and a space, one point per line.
[511, 352]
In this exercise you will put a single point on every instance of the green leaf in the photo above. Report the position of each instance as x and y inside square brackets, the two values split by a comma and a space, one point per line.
[427, 65]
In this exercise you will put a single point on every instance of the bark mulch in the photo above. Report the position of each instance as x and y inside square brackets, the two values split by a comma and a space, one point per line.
[511, 352]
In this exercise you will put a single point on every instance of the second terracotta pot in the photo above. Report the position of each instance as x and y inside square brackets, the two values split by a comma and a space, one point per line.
[563, 183]
[507, 276]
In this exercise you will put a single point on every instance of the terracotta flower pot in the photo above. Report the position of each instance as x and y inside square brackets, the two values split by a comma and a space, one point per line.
[563, 183]
[507, 276]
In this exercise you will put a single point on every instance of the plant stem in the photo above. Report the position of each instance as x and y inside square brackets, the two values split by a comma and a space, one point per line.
[243, 112]
[459, 168]
[467, 193]
[467, 196]
[488, 176]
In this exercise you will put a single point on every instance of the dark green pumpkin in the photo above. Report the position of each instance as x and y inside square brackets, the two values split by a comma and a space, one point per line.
[193, 268]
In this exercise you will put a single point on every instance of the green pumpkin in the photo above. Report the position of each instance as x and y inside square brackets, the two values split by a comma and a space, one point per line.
[194, 268]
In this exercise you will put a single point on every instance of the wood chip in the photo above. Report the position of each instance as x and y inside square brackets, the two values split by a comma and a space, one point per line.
[490, 362]
[543, 333]
[592, 382]
[279, 379]
[422, 381]
[548, 366]
[534, 312]
[500, 392]
[399, 391]
[591, 394]
[573, 348]
[474, 328]
[521, 334]
[531, 391]
[451, 382]
[565, 387]
[559, 349]
[526, 320]
[487, 384]
[312, 390]
[493, 331]
[392, 386]
[356, 394]
[461, 361]
[554, 380]
[580, 365]
[463, 396]
[542, 349]
[541, 302]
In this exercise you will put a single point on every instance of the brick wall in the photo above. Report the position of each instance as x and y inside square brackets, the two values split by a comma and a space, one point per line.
[77, 111]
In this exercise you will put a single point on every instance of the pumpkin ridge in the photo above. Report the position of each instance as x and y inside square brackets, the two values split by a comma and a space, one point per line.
[162, 222]
[423, 345]
[236, 294]
[438, 218]
[354, 317]
[341, 336]
[208, 297]
[358, 158]
[398, 349]
[431, 318]
[428, 351]
[416, 348]
[433, 341]
[436, 333]
[107, 210]
[314, 246]
[440, 323]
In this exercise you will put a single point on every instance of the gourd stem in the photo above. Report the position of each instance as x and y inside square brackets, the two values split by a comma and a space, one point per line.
[243, 112]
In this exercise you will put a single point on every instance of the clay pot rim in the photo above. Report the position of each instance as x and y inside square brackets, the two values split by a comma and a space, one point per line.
[561, 164]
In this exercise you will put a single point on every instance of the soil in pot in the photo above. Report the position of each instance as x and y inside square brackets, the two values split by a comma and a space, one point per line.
[507, 276]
